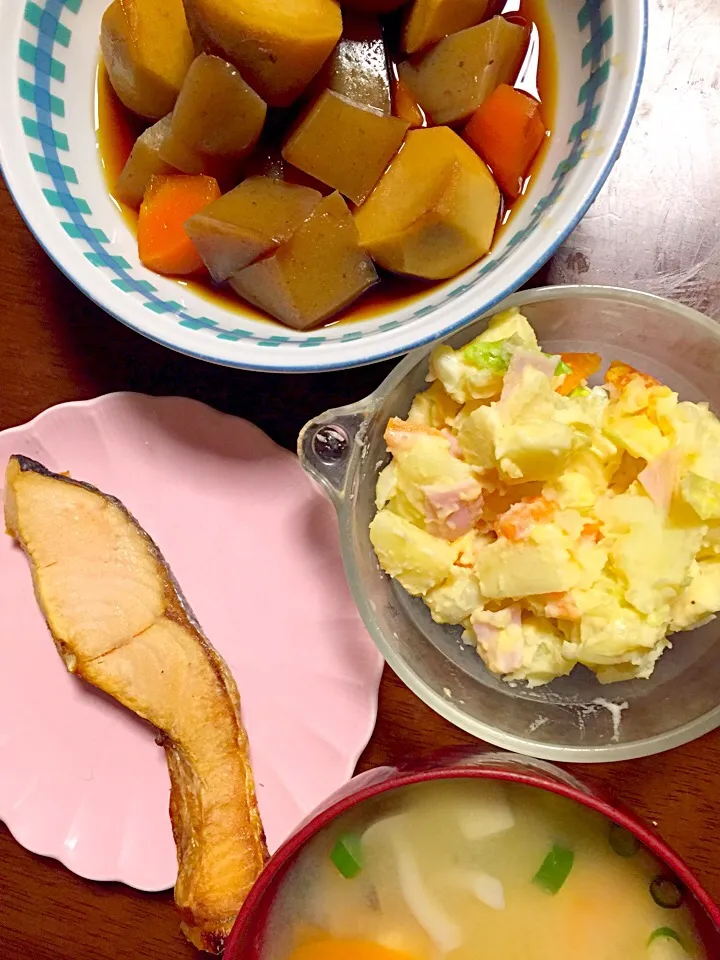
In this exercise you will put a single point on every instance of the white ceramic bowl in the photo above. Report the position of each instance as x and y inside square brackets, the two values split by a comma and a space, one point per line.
[48, 61]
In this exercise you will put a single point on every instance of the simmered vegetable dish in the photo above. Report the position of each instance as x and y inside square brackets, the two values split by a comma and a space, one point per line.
[301, 153]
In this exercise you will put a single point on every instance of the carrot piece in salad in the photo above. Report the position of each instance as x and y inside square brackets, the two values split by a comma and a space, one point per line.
[168, 204]
[401, 432]
[507, 131]
[593, 531]
[582, 367]
[620, 374]
[517, 522]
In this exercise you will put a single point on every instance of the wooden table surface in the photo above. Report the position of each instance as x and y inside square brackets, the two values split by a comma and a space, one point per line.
[655, 227]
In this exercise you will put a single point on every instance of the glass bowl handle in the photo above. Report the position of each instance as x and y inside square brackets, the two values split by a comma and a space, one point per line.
[332, 442]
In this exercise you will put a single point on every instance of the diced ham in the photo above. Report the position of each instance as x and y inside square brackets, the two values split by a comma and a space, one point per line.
[452, 512]
[521, 359]
[455, 448]
[492, 634]
[660, 477]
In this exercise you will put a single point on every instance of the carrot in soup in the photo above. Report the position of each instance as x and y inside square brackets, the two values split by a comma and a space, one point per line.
[169, 202]
[347, 950]
[507, 131]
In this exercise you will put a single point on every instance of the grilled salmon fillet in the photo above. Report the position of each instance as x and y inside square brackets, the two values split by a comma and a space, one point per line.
[120, 621]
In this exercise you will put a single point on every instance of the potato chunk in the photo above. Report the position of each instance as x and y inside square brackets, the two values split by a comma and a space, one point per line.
[344, 145]
[358, 68]
[411, 556]
[143, 164]
[278, 46]
[320, 270]
[453, 78]
[515, 570]
[217, 117]
[431, 20]
[147, 51]
[249, 222]
[435, 210]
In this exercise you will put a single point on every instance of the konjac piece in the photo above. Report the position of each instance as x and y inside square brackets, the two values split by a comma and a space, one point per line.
[455, 76]
[217, 118]
[431, 20]
[358, 68]
[435, 210]
[249, 222]
[266, 161]
[318, 272]
[278, 47]
[143, 164]
[346, 146]
[147, 51]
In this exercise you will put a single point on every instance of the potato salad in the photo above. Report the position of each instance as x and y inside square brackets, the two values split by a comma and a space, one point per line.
[557, 523]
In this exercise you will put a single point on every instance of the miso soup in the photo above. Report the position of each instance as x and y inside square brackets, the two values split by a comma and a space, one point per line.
[474, 869]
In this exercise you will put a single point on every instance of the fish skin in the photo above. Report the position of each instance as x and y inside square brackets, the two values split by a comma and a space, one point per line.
[213, 808]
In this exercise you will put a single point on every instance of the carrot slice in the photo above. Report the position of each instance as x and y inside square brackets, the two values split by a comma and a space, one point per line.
[406, 106]
[593, 531]
[517, 522]
[620, 374]
[168, 203]
[582, 366]
[507, 131]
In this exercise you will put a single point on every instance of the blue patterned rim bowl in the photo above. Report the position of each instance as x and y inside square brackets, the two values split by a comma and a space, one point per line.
[48, 152]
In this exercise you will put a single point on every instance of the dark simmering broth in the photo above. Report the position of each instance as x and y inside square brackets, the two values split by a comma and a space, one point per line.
[118, 128]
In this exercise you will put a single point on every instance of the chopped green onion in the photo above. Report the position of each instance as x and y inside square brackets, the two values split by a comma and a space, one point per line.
[664, 933]
[579, 392]
[555, 869]
[562, 369]
[624, 843]
[488, 356]
[347, 855]
[666, 893]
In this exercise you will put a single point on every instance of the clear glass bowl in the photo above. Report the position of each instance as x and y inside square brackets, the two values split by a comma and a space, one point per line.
[574, 718]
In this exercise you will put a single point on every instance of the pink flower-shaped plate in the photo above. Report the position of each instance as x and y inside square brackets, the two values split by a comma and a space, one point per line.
[255, 548]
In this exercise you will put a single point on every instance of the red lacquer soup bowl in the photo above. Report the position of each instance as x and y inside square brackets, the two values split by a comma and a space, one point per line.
[246, 939]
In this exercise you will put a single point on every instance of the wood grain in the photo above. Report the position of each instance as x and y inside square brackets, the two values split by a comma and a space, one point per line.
[655, 227]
